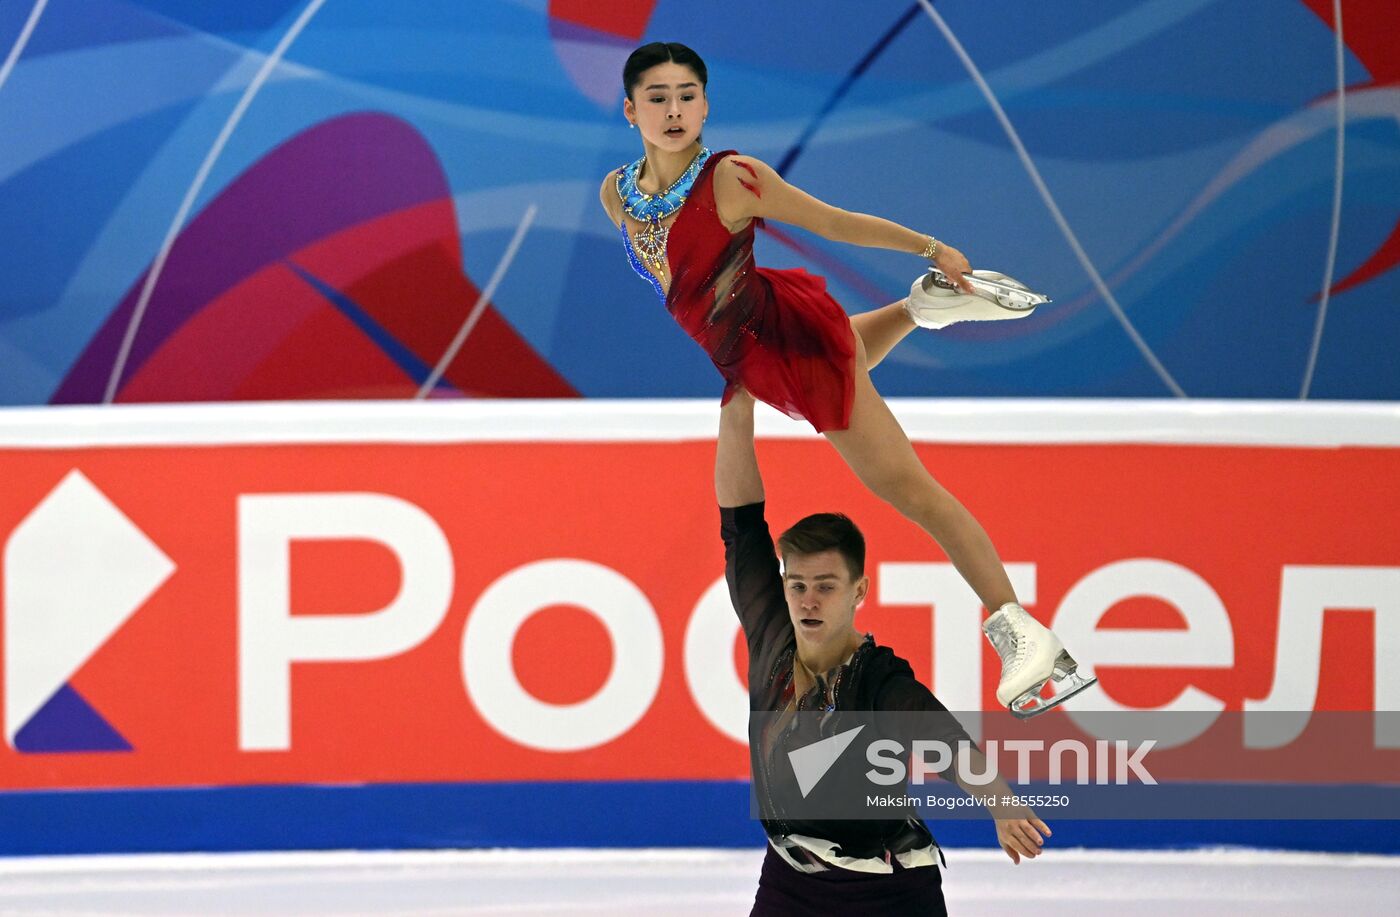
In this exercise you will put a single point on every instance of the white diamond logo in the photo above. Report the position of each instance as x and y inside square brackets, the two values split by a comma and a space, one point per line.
[811, 762]
[76, 569]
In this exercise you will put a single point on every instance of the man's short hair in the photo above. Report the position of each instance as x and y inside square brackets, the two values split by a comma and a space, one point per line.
[825, 532]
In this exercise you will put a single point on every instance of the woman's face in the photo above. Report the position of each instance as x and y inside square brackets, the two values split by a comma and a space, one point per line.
[668, 106]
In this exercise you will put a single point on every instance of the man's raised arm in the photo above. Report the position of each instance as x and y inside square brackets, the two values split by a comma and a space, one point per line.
[750, 563]
[737, 479]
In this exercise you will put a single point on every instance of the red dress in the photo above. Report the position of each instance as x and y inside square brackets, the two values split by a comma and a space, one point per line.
[778, 333]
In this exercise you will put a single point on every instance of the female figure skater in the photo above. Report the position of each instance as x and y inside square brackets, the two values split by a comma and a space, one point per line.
[687, 218]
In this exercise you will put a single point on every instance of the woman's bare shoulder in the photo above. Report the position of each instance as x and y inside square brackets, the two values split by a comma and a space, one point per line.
[740, 170]
[607, 194]
[739, 184]
[739, 158]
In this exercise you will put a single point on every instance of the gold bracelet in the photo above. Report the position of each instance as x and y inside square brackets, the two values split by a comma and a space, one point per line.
[930, 250]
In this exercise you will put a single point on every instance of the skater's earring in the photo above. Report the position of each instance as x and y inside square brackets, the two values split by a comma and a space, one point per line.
[631, 124]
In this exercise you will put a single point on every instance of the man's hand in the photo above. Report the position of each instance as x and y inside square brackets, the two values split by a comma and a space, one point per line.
[1021, 837]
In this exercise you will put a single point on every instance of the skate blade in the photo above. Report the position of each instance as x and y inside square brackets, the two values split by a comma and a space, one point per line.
[1066, 671]
[996, 288]
[939, 310]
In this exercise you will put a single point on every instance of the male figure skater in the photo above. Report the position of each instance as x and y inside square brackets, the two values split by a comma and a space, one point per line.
[805, 654]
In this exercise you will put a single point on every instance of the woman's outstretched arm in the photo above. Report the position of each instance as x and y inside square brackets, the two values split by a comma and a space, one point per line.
[748, 187]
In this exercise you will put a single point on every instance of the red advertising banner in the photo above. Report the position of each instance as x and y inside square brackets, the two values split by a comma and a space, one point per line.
[373, 610]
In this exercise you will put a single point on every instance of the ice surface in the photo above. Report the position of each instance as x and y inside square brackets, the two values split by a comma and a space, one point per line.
[681, 883]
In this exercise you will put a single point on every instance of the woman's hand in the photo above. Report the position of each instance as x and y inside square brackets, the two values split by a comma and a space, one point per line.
[952, 263]
[1021, 837]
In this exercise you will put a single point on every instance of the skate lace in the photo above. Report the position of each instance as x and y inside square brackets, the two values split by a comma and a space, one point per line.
[1009, 642]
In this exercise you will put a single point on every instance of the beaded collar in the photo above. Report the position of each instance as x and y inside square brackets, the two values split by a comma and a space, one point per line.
[651, 209]
[644, 207]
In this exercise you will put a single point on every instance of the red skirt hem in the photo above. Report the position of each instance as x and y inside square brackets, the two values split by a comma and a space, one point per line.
[803, 359]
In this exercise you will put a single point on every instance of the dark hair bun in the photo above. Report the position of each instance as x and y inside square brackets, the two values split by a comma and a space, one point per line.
[660, 52]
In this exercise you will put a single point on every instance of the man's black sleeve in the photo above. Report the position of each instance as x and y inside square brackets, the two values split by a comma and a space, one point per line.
[751, 569]
[915, 713]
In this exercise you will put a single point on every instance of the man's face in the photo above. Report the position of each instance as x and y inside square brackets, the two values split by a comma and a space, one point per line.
[821, 596]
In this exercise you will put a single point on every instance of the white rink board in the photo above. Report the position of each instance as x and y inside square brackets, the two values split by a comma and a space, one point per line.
[963, 420]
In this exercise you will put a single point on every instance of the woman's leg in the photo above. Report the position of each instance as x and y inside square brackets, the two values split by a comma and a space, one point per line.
[881, 329]
[879, 452]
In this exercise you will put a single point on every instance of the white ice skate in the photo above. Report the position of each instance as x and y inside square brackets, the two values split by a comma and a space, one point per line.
[935, 302]
[1030, 656]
